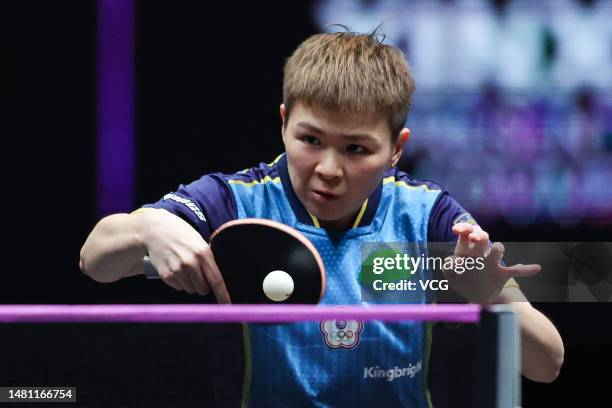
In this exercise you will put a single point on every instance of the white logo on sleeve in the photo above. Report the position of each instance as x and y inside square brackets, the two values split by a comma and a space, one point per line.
[187, 203]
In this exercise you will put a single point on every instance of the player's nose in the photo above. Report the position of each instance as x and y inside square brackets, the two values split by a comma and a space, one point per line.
[329, 167]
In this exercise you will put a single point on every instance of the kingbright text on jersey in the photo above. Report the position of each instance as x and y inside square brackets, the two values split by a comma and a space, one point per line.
[392, 373]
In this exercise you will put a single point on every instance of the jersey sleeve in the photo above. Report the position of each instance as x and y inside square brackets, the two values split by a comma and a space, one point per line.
[446, 213]
[205, 204]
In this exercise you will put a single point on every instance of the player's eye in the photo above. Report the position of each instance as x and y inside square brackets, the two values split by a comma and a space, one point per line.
[311, 140]
[356, 149]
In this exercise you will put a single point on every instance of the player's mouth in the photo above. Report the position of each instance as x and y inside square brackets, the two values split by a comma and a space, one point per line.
[323, 196]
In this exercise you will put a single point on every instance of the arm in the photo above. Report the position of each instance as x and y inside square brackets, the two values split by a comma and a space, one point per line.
[116, 247]
[541, 345]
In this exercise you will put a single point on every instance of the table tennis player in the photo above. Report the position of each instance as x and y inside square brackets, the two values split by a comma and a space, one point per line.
[346, 97]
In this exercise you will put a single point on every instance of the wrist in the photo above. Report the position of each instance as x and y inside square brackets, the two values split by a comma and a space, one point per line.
[146, 219]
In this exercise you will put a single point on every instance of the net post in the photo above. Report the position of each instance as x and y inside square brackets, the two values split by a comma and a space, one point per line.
[498, 381]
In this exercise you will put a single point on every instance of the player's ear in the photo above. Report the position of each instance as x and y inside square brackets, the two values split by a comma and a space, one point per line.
[402, 138]
[283, 113]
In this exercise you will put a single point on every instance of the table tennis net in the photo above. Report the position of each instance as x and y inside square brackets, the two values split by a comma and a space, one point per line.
[130, 358]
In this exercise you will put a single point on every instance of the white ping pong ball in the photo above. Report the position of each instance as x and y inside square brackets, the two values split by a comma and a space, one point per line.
[278, 286]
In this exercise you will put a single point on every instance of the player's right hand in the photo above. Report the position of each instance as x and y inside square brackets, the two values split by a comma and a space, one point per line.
[181, 256]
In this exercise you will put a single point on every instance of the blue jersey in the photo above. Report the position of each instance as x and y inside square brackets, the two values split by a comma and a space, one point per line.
[340, 362]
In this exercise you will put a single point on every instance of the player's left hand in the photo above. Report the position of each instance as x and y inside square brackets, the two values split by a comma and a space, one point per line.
[481, 285]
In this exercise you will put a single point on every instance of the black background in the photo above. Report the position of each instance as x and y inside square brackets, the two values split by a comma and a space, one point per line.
[208, 89]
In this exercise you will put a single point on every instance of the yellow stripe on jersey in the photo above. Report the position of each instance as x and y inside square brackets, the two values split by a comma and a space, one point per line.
[267, 164]
[314, 219]
[266, 179]
[360, 215]
[402, 183]
[275, 160]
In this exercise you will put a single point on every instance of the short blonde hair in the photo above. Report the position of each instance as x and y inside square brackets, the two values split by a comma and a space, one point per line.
[350, 72]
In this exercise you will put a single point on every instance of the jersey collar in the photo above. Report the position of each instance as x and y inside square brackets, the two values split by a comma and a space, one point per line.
[364, 216]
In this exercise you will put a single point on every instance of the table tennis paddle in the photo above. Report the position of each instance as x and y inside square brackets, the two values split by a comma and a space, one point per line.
[250, 253]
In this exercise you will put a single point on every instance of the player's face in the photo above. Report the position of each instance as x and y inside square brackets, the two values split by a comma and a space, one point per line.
[336, 160]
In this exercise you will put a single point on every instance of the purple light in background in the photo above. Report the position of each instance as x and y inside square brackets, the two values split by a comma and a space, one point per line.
[115, 106]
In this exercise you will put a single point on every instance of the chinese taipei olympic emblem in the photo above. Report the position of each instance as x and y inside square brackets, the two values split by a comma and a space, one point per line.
[341, 333]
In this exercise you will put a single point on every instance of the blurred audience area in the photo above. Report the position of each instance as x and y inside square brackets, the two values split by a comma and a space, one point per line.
[513, 109]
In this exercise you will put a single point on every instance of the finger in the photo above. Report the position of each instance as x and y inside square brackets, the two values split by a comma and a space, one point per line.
[185, 282]
[214, 277]
[199, 282]
[520, 270]
[497, 252]
[480, 238]
[172, 283]
[168, 278]
[463, 230]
